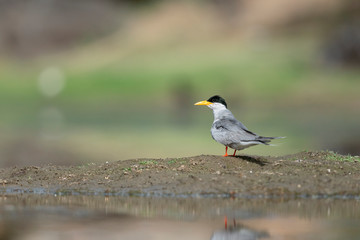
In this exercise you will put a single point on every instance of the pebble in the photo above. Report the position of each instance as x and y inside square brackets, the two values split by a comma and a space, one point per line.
[3, 181]
[181, 168]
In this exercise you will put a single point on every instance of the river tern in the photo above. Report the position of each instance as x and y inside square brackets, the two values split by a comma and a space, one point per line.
[227, 130]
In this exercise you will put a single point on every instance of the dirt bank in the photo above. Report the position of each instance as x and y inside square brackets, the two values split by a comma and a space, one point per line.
[299, 175]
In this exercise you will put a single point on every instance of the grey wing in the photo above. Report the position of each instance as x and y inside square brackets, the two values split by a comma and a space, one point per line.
[234, 130]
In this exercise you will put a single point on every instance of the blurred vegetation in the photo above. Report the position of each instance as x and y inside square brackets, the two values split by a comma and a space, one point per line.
[128, 90]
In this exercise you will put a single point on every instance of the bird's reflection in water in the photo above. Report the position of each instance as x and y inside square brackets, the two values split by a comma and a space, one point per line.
[238, 232]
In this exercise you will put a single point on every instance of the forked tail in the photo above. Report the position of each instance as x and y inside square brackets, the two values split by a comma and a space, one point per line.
[266, 140]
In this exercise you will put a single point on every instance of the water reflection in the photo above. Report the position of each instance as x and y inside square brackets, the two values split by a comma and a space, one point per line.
[94, 217]
[238, 232]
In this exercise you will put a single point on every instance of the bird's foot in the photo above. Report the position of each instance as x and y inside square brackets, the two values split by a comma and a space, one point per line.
[226, 148]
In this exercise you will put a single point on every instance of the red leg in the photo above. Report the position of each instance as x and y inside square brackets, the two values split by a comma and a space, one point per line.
[226, 148]
[225, 220]
[234, 153]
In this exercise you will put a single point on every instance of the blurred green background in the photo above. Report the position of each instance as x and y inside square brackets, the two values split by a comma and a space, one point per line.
[108, 80]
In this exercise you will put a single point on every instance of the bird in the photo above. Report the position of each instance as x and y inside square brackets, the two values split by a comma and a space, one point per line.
[227, 130]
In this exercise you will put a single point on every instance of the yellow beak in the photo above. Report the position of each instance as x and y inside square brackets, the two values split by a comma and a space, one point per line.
[203, 103]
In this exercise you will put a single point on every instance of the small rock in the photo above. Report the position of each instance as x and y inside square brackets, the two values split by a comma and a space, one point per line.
[181, 168]
[3, 181]
[217, 172]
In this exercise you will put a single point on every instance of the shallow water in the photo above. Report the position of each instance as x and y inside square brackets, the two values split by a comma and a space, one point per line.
[33, 216]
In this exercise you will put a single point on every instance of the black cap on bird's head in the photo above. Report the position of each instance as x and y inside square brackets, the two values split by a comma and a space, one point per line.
[217, 99]
[210, 102]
